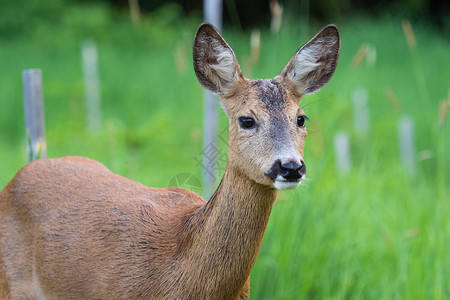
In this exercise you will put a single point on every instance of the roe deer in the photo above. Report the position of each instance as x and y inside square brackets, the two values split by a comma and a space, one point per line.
[72, 229]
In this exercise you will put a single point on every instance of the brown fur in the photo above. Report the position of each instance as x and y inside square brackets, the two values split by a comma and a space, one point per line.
[72, 229]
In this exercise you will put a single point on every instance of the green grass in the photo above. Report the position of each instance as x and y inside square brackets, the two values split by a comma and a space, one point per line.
[375, 233]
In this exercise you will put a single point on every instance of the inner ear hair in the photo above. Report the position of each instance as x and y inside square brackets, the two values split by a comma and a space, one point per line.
[215, 63]
[315, 62]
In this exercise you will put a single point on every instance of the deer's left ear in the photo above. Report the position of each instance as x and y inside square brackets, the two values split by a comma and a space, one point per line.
[215, 63]
[313, 64]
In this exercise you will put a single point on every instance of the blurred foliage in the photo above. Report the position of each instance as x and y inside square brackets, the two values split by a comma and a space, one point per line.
[34, 16]
[59, 24]
[49, 34]
[250, 12]
[375, 233]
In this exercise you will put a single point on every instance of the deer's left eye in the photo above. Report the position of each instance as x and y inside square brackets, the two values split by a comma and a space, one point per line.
[301, 120]
[246, 122]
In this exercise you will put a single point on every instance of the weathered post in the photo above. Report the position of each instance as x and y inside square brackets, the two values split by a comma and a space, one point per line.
[36, 146]
[361, 111]
[135, 11]
[276, 10]
[213, 15]
[91, 85]
[342, 152]
[406, 138]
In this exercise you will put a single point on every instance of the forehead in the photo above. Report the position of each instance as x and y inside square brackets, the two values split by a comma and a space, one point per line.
[270, 95]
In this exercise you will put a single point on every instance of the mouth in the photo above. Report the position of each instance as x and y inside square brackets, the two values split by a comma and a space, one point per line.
[288, 175]
[282, 183]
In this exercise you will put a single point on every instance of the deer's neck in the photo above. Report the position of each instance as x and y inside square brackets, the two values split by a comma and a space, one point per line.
[227, 232]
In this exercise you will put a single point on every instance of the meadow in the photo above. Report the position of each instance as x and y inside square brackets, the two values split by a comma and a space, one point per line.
[378, 231]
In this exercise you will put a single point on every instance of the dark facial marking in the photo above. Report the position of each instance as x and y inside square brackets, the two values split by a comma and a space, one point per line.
[279, 130]
[270, 93]
[274, 99]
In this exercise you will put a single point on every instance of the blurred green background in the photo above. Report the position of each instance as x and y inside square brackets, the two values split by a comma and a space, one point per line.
[378, 231]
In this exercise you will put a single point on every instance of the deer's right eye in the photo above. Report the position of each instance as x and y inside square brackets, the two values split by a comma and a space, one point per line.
[246, 122]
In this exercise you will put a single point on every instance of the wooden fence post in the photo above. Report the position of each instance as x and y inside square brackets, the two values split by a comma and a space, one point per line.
[213, 15]
[135, 11]
[91, 85]
[36, 146]
[406, 138]
[276, 10]
[361, 111]
[342, 152]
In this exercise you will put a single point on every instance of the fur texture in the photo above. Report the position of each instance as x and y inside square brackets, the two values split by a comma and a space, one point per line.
[72, 229]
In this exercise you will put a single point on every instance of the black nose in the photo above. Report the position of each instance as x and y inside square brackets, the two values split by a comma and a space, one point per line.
[293, 171]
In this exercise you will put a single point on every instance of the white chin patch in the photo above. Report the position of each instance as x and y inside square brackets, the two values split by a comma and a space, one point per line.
[282, 184]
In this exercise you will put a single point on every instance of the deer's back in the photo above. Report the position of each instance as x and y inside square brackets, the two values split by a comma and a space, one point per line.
[74, 218]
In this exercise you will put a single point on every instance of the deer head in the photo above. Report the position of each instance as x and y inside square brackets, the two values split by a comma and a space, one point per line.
[266, 125]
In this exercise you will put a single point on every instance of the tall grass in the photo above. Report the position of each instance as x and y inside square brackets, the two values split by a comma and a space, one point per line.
[375, 233]
[378, 232]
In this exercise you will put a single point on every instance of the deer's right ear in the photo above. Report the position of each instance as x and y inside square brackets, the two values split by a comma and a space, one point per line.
[314, 63]
[215, 63]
